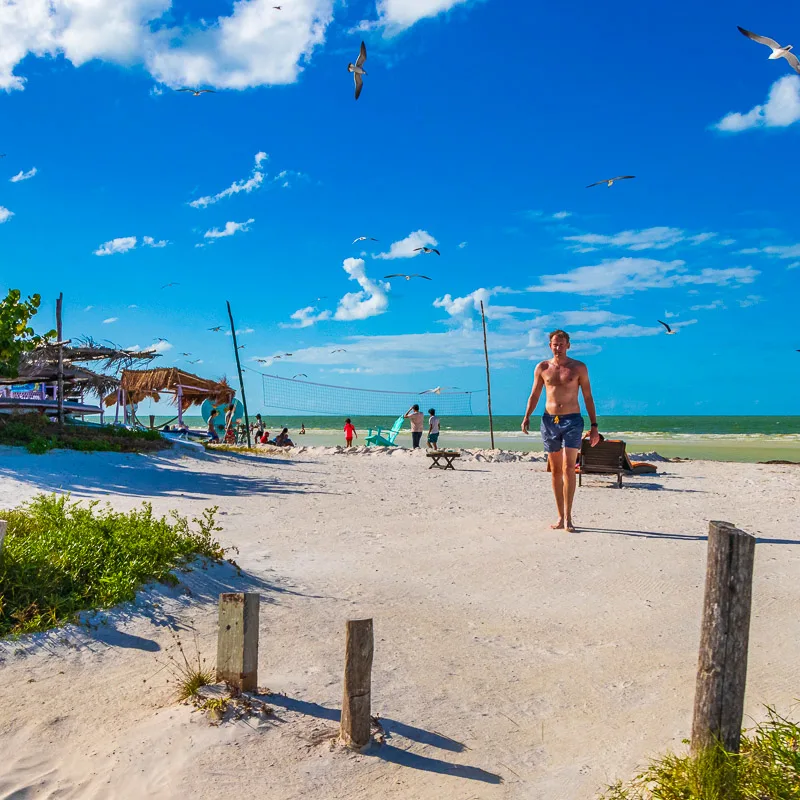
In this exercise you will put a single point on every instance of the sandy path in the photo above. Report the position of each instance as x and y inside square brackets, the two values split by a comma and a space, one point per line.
[511, 661]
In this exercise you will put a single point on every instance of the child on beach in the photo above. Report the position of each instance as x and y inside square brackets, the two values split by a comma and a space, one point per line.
[349, 432]
[433, 429]
[212, 430]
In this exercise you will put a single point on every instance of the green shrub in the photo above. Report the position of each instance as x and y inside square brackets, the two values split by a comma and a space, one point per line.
[766, 768]
[60, 558]
[39, 435]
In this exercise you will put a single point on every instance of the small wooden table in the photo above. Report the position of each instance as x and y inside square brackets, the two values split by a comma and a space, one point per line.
[447, 455]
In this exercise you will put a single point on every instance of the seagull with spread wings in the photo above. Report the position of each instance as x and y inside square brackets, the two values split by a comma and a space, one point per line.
[358, 69]
[777, 50]
[407, 277]
[427, 250]
[364, 239]
[299, 375]
[610, 181]
[216, 328]
[670, 332]
[160, 339]
[197, 92]
[186, 354]
[339, 350]
[167, 285]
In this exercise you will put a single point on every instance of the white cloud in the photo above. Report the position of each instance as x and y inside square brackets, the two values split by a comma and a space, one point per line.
[120, 245]
[397, 15]
[5, 215]
[149, 241]
[23, 176]
[110, 320]
[781, 109]
[306, 317]
[781, 251]
[701, 237]
[712, 306]
[405, 247]
[619, 331]
[252, 46]
[462, 245]
[727, 242]
[794, 266]
[658, 238]
[246, 185]
[229, 229]
[464, 306]
[371, 301]
[160, 347]
[751, 300]
[542, 216]
[241, 331]
[616, 277]
[88, 308]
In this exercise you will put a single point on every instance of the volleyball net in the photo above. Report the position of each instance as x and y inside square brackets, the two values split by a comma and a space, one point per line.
[288, 394]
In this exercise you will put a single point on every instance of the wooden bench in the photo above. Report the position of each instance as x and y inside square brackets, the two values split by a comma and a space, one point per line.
[447, 455]
[605, 458]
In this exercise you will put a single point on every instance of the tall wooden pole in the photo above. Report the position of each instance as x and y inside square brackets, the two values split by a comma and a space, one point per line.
[355, 723]
[239, 368]
[722, 666]
[60, 389]
[488, 382]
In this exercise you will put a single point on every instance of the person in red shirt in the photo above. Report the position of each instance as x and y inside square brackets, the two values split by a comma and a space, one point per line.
[349, 432]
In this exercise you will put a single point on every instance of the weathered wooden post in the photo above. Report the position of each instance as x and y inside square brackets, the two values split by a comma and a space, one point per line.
[355, 727]
[722, 666]
[237, 641]
[3, 526]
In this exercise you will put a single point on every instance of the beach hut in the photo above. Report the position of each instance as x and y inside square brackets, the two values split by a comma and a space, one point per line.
[186, 389]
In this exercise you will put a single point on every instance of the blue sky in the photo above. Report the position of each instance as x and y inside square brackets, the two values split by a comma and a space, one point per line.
[479, 126]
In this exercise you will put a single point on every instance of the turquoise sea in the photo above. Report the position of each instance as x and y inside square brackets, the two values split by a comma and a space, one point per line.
[718, 438]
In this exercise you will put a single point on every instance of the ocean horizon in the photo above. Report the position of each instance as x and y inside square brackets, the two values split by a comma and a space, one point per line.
[712, 437]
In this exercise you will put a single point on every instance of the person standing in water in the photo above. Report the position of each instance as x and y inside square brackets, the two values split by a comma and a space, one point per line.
[562, 422]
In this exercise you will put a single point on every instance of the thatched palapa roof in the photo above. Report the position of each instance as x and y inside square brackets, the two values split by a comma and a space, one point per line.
[147, 384]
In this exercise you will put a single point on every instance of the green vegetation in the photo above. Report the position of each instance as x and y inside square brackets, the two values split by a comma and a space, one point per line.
[16, 335]
[60, 558]
[767, 768]
[39, 435]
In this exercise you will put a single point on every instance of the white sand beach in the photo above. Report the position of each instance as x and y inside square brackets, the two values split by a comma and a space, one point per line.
[511, 661]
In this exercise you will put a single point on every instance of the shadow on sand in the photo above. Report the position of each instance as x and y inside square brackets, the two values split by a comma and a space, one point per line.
[687, 537]
[147, 476]
[393, 754]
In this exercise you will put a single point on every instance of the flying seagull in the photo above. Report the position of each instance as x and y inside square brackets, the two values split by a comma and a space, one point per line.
[186, 354]
[197, 92]
[277, 8]
[263, 360]
[610, 181]
[358, 69]
[196, 361]
[287, 355]
[364, 239]
[427, 250]
[241, 347]
[340, 350]
[669, 330]
[160, 339]
[777, 50]
[216, 328]
[438, 389]
[407, 277]
[167, 285]
[299, 375]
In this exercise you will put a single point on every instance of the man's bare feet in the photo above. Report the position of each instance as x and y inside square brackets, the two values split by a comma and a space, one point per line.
[558, 525]
[570, 526]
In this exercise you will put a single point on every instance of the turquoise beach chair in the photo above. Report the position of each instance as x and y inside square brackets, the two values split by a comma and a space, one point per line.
[377, 438]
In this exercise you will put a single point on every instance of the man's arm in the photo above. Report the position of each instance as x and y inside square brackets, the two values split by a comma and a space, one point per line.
[536, 393]
[588, 399]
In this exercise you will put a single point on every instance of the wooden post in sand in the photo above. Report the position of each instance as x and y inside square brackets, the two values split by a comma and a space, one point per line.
[237, 640]
[355, 727]
[722, 667]
[3, 526]
[488, 380]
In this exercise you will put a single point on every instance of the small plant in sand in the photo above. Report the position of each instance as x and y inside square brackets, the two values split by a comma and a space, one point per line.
[189, 673]
[766, 768]
[60, 558]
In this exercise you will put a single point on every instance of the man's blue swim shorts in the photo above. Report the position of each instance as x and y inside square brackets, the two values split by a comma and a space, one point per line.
[561, 430]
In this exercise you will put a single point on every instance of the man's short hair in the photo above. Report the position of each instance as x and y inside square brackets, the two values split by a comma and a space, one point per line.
[415, 407]
[558, 332]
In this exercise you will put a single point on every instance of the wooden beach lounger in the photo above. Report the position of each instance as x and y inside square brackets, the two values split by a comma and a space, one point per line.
[448, 455]
[378, 438]
[608, 457]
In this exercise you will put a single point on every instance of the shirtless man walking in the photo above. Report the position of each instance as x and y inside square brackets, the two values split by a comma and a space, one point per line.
[562, 423]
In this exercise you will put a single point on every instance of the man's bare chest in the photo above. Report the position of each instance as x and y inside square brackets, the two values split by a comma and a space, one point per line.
[560, 376]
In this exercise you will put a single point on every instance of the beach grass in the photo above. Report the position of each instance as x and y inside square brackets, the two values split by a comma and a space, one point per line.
[36, 433]
[60, 558]
[766, 768]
